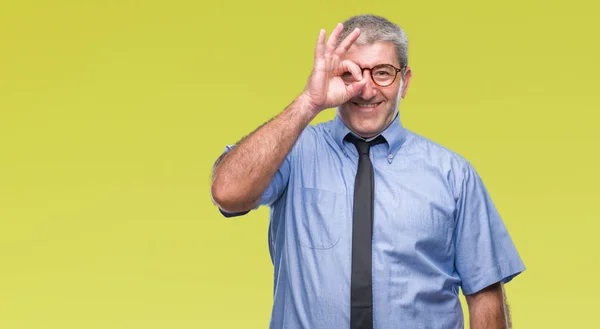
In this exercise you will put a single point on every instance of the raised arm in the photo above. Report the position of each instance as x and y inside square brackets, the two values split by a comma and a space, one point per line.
[241, 175]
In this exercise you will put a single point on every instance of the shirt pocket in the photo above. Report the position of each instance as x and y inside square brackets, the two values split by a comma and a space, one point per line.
[318, 218]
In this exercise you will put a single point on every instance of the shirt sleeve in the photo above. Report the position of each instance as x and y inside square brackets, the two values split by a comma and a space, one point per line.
[485, 253]
[273, 191]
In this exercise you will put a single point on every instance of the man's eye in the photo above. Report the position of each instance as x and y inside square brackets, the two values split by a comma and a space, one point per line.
[382, 73]
[347, 76]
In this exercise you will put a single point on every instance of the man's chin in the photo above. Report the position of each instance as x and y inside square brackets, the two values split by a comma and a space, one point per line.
[363, 124]
[366, 131]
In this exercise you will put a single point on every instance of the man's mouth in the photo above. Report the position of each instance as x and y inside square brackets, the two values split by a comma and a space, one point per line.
[366, 105]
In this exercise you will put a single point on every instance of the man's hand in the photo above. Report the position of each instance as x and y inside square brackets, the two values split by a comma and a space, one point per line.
[325, 88]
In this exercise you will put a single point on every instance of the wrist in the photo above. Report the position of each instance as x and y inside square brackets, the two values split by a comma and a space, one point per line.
[306, 106]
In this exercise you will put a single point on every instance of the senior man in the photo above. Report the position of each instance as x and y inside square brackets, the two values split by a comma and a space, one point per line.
[371, 225]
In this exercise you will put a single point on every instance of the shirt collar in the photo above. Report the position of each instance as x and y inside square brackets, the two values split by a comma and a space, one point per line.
[394, 134]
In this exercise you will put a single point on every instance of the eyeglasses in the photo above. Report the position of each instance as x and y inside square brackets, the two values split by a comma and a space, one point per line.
[383, 74]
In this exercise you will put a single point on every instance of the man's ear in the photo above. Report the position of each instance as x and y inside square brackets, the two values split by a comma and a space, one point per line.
[407, 77]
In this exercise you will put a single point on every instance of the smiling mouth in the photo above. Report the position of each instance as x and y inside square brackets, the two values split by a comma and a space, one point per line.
[366, 105]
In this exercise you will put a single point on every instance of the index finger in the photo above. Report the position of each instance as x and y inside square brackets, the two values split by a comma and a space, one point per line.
[343, 47]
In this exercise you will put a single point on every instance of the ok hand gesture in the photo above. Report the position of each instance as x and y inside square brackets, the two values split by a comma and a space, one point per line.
[325, 87]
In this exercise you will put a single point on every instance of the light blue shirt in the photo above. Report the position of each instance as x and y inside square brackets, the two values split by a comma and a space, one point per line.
[435, 229]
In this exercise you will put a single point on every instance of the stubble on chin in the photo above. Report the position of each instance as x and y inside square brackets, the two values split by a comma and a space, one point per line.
[364, 127]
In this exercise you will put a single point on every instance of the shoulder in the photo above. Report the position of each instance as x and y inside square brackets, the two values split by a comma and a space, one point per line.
[313, 136]
[419, 144]
[317, 131]
[315, 147]
[426, 152]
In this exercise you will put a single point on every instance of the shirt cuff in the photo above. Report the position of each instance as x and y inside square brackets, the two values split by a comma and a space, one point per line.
[233, 214]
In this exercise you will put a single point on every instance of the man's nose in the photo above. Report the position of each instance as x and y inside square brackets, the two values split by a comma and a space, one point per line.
[369, 90]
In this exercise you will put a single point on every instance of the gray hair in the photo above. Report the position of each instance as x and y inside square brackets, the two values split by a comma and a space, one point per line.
[376, 28]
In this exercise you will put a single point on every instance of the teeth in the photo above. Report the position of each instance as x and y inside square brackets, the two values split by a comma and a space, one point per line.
[366, 105]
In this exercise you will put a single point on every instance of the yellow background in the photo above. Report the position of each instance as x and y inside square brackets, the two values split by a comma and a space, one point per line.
[112, 113]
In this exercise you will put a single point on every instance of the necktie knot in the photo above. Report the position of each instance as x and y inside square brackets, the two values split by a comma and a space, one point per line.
[362, 146]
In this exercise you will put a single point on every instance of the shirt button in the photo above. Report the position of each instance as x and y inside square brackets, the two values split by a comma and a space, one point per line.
[390, 156]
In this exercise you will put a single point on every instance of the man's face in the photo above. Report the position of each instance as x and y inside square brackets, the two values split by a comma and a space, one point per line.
[373, 109]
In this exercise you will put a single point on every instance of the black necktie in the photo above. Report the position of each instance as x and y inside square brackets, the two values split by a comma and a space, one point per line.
[361, 287]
